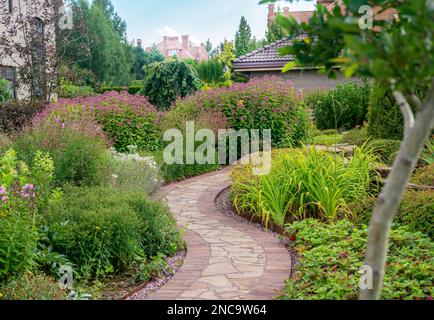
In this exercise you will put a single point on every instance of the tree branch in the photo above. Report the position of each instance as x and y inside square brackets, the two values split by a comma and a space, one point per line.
[406, 111]
[381, 222]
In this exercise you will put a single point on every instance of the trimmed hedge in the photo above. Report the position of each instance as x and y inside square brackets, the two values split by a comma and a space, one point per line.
[342, 108]
[135, 89]
[385, 120]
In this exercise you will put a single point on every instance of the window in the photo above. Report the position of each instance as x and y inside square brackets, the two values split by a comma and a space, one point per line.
[10, 5]
[173, 53]
[9, 73]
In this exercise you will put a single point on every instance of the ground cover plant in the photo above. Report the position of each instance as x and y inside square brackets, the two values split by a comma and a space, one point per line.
[332, 253]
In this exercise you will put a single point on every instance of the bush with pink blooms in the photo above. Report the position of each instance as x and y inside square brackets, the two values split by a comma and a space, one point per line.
[126, 119]
[267, 103]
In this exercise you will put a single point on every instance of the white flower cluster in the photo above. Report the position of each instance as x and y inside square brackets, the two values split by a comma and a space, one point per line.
[134, 171]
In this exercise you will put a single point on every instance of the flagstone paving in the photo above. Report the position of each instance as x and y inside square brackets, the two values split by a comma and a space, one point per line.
[226, 259]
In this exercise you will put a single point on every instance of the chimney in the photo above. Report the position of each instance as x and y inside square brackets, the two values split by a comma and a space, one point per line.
[286, 12]
[271, 13]
[185, 43]
[139, 43]
[325, 3]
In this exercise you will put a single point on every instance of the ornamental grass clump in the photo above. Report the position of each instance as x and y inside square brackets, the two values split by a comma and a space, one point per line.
[304, 183]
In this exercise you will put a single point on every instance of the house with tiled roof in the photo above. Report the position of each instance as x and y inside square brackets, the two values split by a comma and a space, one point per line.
[266, 61]
[171, 46]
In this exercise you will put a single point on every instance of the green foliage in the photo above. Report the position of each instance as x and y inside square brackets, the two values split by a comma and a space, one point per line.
[304, 183]
[357, 136]
[169, 80]
[4, 90]
[133, 172]
[267, 103]
[18, 243]
[336, 40]
[386, 150]
[144, 58]
[177, 172]
[385, 120]
[32, 287]
[275, 32]
[134, 89]
[104, 231]
[415, 211]
[79, 157]
[227, 57]
[328, 139]
[98, 42]
[210, 72]
[243, 39]
[428, 155]
[342, 108]
[424, 176]
[69, 90]
[331, 255]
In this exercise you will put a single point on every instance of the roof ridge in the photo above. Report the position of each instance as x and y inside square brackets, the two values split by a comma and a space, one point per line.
[261, 49]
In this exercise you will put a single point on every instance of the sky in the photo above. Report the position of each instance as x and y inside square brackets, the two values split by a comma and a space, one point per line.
[149, 20]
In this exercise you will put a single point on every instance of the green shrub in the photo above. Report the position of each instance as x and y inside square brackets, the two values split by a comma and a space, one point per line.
[32, 287]
[69, 90]
[331, 255]
[342, 108]
[415, 211]
[133, 89]
[385, 120]
[80, 156]
[268, 103]
[424, 176]
[328, 139]
[18, 243]
[303, 183]
[4, 90]
[428, 154]
[357, 136]
[386, 150]
[104, 231]
[169, 80]
[126, 119]
[15, 115]
[210, 71]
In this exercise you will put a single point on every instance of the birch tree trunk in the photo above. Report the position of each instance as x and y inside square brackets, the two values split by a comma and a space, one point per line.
[416, 133]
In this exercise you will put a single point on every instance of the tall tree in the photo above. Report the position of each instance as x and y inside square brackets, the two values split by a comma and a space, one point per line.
[208, 47]
[275, 32]
[144, 58]
[243, 38]
[399, 54]
[227, 58]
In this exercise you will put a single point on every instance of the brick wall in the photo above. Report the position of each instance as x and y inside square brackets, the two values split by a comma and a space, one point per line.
[307, 80]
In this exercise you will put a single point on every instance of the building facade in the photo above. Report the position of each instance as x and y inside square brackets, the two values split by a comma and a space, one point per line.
[266, 61]
[33, 11]
[184, 49]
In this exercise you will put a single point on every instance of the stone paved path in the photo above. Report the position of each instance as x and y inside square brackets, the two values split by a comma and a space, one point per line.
[226, 259]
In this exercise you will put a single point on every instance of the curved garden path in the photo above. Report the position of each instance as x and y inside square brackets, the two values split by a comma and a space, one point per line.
[226, 259]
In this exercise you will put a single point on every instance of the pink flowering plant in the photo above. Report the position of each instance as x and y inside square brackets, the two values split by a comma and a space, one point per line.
[267, 103]
[124, 118]
[24, 191]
